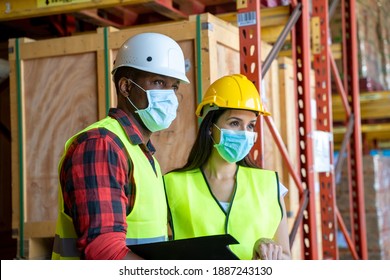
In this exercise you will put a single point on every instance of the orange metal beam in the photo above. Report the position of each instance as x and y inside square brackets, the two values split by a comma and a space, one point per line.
[323, 93]
[301, 56]
[248, 18]
[355, 159]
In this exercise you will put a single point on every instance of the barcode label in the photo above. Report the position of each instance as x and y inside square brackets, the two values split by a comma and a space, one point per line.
[244, 19]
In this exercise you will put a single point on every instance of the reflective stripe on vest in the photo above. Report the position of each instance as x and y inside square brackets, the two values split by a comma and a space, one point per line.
[255, 210]
[143, 226]
[136, 241]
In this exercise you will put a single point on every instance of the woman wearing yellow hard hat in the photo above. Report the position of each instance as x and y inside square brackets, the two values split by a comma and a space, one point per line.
[220, 190]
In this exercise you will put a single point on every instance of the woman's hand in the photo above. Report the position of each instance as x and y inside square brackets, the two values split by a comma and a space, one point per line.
[267, 249]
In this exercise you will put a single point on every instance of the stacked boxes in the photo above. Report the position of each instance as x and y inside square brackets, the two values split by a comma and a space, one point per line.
[369, 55]
[377, 204]
[384, 40]
[372, 42]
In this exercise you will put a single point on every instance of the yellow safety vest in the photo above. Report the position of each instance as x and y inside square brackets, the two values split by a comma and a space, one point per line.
[255, 211]
[147, 222]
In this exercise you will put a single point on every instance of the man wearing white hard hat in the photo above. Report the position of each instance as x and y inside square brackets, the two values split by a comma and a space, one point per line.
[111, 190]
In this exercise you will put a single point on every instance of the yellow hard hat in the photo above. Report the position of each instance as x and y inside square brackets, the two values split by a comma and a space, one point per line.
[233, 92]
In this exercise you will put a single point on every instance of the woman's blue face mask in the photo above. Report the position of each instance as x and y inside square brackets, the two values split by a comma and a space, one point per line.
[234, 145]
[161, 110]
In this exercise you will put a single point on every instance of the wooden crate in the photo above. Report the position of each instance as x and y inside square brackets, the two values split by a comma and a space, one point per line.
[285, 115]
[270, 97]
[51, 99]
[288, 132]
[59, 86]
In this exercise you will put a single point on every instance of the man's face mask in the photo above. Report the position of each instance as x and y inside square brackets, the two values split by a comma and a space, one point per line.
[234, 145]
[161, 110]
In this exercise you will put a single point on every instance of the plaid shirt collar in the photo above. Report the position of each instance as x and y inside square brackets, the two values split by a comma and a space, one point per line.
[131, 129]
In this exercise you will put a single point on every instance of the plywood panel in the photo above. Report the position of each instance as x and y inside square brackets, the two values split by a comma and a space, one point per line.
[272, 156]
[228, 60]
[174, 143]
[270, 96]
[59, 101]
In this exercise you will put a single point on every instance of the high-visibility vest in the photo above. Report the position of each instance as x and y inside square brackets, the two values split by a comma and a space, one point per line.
[255, 211]
[147, 222]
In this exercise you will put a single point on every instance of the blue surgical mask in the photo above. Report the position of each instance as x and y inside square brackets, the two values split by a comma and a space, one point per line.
[234, 145]
[161, 110]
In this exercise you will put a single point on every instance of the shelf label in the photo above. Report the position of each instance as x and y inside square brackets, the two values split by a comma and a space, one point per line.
[321, 147]
[245, 19]
[52, 3]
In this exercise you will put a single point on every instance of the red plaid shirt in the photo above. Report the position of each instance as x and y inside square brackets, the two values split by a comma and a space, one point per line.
[98, 186]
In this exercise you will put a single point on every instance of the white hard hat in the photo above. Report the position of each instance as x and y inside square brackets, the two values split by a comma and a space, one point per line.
[152, 52]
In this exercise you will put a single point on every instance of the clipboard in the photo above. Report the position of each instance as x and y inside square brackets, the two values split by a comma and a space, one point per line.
[212, 247]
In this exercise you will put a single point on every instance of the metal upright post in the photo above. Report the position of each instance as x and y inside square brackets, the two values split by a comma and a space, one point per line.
[321, 66]
[302, 60]
[248, 18]
[355, 161]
